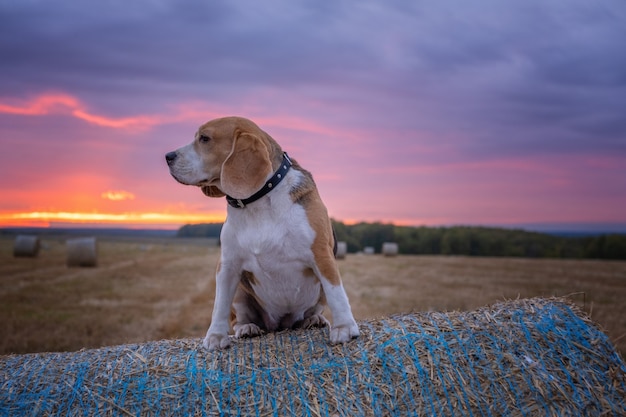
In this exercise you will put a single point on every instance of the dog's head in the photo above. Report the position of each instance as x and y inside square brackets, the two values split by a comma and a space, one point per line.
[231, 155]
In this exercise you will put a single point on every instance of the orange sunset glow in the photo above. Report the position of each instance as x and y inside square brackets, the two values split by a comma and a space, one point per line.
[162, 220]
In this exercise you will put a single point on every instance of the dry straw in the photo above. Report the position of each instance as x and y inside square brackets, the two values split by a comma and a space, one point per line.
[531, 357]
[26, 246]
[82, 252]
[390, 249]
[342, 250]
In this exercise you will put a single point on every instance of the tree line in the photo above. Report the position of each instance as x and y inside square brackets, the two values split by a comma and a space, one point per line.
[460, 240]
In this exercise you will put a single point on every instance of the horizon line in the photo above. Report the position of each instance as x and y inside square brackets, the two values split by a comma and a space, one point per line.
[548, 227]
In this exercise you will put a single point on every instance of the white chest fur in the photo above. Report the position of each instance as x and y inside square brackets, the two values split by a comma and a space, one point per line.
[272, 238]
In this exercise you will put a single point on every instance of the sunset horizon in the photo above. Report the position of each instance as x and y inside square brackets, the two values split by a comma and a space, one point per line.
[451, 114]
[173, 222]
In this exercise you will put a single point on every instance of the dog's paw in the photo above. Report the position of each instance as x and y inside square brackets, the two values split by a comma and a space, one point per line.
[247, 330]
[344, 333]
[216, 341]
[316, 320]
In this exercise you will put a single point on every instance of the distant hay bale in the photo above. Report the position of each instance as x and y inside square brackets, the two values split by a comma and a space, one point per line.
[82, 252]
[390, 249]
[26, 246]
[525, 357]
[342, 250]
[368, 250]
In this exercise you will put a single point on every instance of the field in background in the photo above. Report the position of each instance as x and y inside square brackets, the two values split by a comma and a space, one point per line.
[147, 289]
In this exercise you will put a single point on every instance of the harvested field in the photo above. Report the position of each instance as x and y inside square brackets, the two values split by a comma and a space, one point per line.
[525, 357]
[150, 289]
[140, 290]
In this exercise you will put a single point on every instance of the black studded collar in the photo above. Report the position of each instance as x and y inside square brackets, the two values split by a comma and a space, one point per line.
[269, 185]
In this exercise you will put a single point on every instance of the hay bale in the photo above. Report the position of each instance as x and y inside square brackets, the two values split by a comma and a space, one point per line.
[82, 252]
[342, 250]
[525, 357]
[368, 250]
[390, 249]
[26, 246]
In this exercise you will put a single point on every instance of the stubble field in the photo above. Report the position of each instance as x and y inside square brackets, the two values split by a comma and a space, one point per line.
[149, 289]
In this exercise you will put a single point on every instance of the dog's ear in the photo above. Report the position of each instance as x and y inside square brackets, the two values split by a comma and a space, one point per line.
[247, 166]
[212, 191]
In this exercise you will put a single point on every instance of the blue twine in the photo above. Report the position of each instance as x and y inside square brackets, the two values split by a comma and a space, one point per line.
[299, 373]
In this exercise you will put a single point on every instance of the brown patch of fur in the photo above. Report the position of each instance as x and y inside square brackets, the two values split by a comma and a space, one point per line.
[306, 194]
[247, 281]
[245, 295]
[301, 193]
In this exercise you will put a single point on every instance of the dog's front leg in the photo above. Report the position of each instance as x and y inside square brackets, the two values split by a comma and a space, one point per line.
[344, 326]
[226, 281]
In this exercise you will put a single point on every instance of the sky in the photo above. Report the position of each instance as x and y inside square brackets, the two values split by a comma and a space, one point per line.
[413, 112]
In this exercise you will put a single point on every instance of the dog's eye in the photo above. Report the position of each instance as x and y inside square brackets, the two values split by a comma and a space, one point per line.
[203, 139]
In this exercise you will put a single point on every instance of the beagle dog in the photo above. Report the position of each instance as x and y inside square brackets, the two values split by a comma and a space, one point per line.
[277, 268]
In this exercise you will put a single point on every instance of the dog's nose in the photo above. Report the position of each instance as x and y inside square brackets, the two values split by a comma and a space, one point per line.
[170, 157]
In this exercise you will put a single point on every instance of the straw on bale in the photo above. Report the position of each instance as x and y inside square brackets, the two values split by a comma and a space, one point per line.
[26, 246]
[531, 357]
[82, 252]
[342, 250]
[390, 249]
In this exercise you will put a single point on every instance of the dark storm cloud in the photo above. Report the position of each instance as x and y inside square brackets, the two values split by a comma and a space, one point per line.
[76, 45]
[186, 43]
